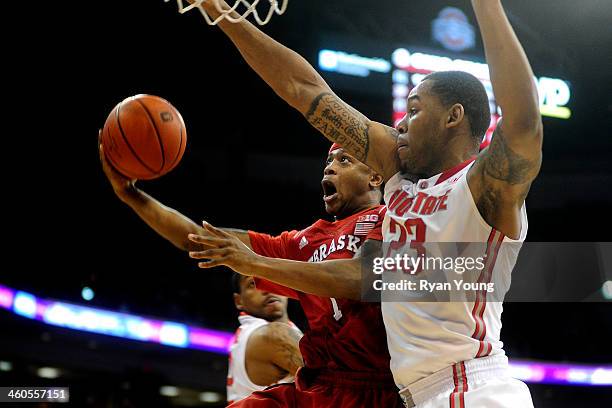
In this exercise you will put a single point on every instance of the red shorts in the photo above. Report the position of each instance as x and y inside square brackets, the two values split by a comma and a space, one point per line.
[328, 389]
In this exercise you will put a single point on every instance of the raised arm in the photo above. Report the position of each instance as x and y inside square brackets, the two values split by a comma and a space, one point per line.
[167, 222]
[274, 345]
[502, 174]
[301, 86]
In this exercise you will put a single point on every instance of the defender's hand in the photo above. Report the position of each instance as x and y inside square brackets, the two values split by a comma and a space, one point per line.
[223, 249]
[121, 184]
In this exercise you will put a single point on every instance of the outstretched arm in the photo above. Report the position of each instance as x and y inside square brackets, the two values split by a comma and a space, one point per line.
[340, 278]
[167, 222]
[502, 174]
[301, 86]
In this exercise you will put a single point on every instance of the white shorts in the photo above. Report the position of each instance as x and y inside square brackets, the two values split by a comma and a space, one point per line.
[478, 383]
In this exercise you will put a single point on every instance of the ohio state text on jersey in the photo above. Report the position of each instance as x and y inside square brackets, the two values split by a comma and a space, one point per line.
[425, 337]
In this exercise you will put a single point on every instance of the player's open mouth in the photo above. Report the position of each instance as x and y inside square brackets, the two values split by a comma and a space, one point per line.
[272, 300]
[401, 146]
[329, 191]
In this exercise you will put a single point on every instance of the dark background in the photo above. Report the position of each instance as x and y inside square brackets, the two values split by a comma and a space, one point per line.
[251, 162]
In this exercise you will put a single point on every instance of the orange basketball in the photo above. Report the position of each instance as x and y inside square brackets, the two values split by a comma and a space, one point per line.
[144, 137]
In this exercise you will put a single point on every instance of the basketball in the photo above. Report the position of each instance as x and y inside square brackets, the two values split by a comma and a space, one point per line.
[144, 137]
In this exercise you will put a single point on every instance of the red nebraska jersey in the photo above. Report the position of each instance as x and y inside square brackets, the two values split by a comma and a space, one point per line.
[343, 334]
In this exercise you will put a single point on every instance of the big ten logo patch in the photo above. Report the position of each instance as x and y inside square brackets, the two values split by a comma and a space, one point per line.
[368, 218]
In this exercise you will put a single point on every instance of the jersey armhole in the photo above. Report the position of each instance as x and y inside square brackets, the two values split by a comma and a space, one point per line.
[470, 199]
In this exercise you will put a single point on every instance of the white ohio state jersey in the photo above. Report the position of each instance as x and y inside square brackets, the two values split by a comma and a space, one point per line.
[425, 337]
[239, 385]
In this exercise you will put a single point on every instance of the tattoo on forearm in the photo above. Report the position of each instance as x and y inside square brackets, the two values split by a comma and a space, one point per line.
[341, 124]
[502, 163]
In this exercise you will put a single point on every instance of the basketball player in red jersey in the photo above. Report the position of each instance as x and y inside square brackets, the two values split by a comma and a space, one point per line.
[344, 351]
[439, 188]
[265, 350]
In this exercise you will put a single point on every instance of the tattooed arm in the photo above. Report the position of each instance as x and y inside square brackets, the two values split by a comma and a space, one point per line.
[273, 352]
[501, 177]
[301, 86]
[370, 142]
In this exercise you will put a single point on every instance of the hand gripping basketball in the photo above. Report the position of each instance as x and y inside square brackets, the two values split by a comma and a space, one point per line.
[121, 185]
[144, 137]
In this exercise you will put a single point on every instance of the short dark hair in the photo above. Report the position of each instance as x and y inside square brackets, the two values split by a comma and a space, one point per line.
[236, 279]
[460, 87]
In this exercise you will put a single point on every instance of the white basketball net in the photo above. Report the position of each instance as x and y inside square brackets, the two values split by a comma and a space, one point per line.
[275, 6]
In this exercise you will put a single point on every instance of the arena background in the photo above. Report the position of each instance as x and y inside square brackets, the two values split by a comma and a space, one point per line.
[251, 162]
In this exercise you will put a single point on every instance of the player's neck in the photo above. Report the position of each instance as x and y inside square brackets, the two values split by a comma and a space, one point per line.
[462, 150]
[449, 161]
[283, 319]
[356, 209]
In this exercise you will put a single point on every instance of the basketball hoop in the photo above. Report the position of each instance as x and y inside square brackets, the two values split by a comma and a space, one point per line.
[275, 6]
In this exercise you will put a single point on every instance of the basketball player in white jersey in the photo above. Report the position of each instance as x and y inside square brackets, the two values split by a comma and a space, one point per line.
[439, 189]
[265, 349]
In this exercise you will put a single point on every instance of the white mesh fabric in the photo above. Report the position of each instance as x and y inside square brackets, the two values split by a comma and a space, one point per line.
[275, 6]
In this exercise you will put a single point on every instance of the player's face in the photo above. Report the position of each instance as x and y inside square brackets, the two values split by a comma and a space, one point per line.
[258, 303]
[420, 143]
[345, 181]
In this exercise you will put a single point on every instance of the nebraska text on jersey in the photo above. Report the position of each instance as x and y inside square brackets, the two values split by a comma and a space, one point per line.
[343, 334]
[350, 242]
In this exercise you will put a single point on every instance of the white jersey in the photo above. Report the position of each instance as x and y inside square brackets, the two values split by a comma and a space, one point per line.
[425, 337]
[239, 385]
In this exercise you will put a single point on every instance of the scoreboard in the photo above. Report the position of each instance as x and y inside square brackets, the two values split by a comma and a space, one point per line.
[395, 74]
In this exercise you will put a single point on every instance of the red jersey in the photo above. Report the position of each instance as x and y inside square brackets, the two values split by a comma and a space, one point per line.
[343, 334]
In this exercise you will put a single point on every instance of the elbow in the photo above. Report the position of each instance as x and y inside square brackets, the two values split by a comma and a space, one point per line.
[291, 92]
[304, 92]
[535, 130]
[528, 124]
[532, 122]
[524, 118]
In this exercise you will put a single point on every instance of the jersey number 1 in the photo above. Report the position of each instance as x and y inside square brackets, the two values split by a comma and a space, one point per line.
[337, 311]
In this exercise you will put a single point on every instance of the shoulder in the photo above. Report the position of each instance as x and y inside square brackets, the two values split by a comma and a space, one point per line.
[265, 339]
[370, 215]
[379, 209]
[276, 332]
[248, 325]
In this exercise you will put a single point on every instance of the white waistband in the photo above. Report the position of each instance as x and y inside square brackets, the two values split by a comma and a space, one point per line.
[450, 378]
